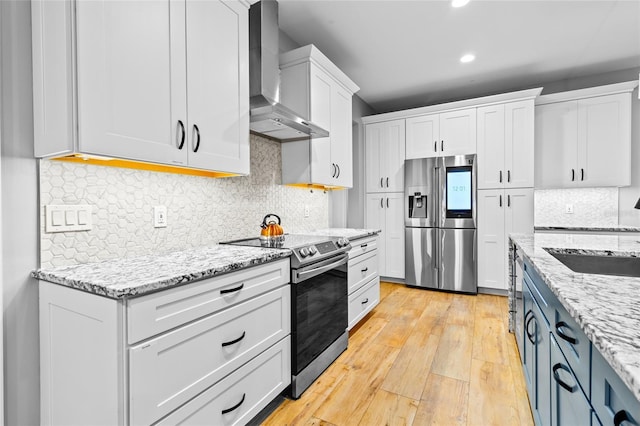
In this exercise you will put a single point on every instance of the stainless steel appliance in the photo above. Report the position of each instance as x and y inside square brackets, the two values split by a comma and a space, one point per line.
[319, 304]
[440, 223]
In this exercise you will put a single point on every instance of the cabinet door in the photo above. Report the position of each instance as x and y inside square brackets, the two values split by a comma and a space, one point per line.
[375, 219]
[491, 239]
[132, 79]
[604, 137]
[394, 225]
[218, 85]
[519, 151]
[491, 147]
[458, 132]
[569, 406]
[519, 211]
[384, 156]
[341, 137]
[423, 136]
[320, 97]
[556, 144]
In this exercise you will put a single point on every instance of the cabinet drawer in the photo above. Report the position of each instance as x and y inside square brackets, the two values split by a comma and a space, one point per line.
[169, 370]
[162, 311]
[362, 270]
[574, 344]
[610, 397]
[569, 405]
[250, 389]
[363, 301]
[363, 246]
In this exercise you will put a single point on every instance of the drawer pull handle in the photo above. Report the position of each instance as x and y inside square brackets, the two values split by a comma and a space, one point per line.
[234, 341]
[620, 416]
[559, 330]
[228, 410]
[556, 377]
[365, 301]
[232, 290]
[526, 327]
[365, 269]
[363, 246]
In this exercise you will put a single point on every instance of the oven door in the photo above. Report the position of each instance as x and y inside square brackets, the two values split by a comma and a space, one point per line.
[319, 309]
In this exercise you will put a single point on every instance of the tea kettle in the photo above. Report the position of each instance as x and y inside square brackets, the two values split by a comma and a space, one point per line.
[271, 228]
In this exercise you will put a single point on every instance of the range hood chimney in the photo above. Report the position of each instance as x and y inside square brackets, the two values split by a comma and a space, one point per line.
[268, 116]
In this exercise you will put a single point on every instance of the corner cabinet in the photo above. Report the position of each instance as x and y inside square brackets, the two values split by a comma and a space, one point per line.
[215, 351]
[583, 137]
[439, 135]
[173, 93]
[315, 88]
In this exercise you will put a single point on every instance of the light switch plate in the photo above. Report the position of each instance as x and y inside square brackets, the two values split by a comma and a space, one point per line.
[67, 218]
[160, 216]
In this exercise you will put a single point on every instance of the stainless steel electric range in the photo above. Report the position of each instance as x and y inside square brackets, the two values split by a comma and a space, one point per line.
[319, 311]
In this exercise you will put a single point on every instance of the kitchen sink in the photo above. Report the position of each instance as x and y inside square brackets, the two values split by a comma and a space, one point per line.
[605, 265]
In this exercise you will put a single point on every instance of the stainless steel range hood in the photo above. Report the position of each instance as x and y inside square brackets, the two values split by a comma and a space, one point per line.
[268, 116]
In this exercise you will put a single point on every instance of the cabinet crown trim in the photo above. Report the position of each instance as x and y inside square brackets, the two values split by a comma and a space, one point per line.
[609, 89]
[520, 95]
[312, 53]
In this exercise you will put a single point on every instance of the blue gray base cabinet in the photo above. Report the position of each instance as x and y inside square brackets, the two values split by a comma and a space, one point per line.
[568, 380]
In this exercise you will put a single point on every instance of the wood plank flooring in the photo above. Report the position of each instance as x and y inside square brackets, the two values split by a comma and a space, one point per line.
[420, 358]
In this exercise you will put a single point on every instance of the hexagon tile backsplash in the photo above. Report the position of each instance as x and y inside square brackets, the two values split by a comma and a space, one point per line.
[200, 211]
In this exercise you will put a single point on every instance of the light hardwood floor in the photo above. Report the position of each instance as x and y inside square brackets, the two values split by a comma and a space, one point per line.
[420, 358]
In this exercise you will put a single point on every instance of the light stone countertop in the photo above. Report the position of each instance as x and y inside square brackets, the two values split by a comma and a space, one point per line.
[606, 307]
[350, 233]
[124, 278]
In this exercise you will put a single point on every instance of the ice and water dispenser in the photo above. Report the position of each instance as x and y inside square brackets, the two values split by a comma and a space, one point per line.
[417, 206]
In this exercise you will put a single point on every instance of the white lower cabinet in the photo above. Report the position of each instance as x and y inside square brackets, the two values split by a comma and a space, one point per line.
[386, 212]
[363, 278]
[224, 356]
[500, 212]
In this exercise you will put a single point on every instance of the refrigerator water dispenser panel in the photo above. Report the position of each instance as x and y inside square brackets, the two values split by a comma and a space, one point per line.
[418, 206]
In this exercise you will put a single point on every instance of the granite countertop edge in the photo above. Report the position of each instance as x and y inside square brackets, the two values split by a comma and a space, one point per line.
[616, 228]
[138, 276]
[350, 233]
[572, 290]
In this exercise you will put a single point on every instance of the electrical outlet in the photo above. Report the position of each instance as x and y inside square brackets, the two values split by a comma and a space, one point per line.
[160, 216]
[306, 210]
[568, 209]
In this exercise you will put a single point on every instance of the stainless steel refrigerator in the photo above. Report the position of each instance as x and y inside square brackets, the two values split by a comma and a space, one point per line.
[440, 223]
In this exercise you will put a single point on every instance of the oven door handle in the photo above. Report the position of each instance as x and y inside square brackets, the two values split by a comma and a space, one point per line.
[304, 274]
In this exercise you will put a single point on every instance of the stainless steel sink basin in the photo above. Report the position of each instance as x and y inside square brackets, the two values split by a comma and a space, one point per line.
[605, 265]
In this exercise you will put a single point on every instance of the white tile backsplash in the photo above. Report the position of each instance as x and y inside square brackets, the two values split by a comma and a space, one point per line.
[200, 210]
[597, 207]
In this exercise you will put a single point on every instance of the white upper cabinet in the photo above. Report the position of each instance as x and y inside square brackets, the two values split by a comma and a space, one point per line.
[505, 145]
[384, 156]
[157, 81]
[447, 133]
[583, 138]
[315, 88]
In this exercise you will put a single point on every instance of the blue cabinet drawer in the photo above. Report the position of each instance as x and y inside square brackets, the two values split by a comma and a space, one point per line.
[541, 293]
[569, 405]
[612, 400]
[574, 344]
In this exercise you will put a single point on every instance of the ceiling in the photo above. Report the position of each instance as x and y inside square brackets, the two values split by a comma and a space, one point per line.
[405, 54]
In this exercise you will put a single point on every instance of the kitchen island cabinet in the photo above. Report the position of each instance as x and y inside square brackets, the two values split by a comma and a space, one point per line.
[218, 346]
[594, 329]
[105, 88]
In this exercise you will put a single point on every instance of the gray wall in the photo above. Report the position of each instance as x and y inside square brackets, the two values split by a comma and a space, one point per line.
[19, 220]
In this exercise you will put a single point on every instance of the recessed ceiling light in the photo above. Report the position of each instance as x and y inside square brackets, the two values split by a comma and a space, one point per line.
[459, 3]
[469, 57]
